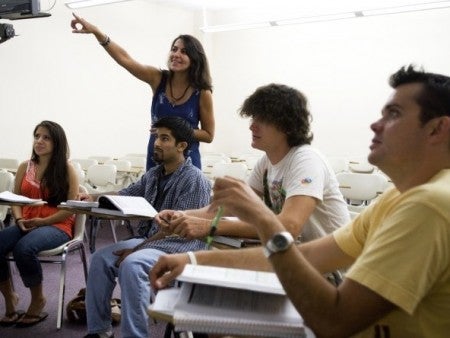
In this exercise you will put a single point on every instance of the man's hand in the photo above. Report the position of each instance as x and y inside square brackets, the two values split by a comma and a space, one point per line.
[122, 255]
[239, 199]
[166, 269]
[177, 222]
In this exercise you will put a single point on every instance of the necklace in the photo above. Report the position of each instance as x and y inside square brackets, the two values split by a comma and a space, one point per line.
[176, 99]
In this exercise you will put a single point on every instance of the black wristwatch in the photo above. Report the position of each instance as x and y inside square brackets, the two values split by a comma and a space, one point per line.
[281, 241]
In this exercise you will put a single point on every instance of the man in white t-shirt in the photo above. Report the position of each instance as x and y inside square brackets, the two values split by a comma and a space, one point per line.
[292, 177]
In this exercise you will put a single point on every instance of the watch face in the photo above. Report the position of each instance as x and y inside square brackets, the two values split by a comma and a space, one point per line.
[280, 241]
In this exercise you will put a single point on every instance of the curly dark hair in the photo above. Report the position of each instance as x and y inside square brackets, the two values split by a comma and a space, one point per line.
[55, 179]
[434, 98]
[199, 75]
[283, 106]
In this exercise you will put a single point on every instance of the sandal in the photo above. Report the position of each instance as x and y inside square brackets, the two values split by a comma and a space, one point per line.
[115, 310]
[11, 318]
[35, 319]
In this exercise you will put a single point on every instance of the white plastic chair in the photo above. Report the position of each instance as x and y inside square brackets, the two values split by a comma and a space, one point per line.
[84, 162]
[338, 164]
[124, 175]
[59, 256]
[101, 178]
[138, 164]
[6, 184]
[360, 166]
[234, 169]
[80, 172]
[100, 159]
[9, 163]
[209, 159]
[136, 155]
[359, 189]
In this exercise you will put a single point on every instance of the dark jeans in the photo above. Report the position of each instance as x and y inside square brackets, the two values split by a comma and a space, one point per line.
[25, 246]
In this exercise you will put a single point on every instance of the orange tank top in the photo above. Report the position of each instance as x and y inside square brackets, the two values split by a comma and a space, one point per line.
[31, 188]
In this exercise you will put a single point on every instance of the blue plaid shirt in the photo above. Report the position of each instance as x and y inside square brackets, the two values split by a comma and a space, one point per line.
[187, 188]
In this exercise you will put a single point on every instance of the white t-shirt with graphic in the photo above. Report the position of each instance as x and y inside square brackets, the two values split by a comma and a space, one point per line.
[304, 171]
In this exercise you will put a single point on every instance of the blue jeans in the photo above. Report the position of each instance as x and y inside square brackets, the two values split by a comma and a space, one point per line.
[25, 246]
[134, 285]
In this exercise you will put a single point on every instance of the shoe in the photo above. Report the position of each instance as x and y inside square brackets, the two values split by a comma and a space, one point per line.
[12, 317]
[96, 335]
[35, 320]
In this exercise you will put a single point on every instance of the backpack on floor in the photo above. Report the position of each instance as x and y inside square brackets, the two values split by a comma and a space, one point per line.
[76, 309]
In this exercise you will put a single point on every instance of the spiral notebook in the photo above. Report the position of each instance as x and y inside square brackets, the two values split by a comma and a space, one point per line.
[228, 301]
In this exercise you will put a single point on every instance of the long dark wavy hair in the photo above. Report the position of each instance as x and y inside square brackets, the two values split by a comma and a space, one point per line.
[199, 75]
[55, 179]
[284, 107]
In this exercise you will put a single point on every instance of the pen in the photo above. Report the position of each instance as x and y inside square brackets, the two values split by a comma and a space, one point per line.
[214, 223]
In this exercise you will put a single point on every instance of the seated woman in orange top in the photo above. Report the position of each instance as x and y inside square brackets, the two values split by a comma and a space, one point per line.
[49, 176]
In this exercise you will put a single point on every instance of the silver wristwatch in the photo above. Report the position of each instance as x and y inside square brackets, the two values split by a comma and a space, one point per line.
[281, 241]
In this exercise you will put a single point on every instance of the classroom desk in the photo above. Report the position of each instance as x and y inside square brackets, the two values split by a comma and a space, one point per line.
[95, 216]
[21, 204]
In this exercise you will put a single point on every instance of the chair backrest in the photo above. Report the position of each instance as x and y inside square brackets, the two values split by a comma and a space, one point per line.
[360, 166]
[6, 180]
[338, 164]
[136, 161]
[79, 170]
[361, 187]
[100, 159]
[121, 165]
[234, 169]
[85, 162]
[101, 175]
[211, 158]
[136, 155]
[9, 163]
[6, 184]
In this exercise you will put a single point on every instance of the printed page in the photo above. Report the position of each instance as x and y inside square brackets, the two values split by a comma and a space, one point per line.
[233, 278]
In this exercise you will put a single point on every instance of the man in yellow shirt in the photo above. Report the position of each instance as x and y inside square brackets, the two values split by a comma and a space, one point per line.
[397, 250]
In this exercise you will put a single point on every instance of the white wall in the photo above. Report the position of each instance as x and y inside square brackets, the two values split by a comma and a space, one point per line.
[342, 66]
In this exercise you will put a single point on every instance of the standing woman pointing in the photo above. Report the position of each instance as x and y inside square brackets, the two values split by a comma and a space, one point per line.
[184, 90]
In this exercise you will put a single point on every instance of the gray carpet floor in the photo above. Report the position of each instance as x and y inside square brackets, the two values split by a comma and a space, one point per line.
[74, 282]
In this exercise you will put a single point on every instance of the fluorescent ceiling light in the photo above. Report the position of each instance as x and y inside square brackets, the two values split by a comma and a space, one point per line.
[87, 3]
[316, 18]
[327, 17]
[406, 8]
[234, 27]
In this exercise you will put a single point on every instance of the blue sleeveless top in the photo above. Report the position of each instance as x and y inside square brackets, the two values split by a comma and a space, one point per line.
[189, 110]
